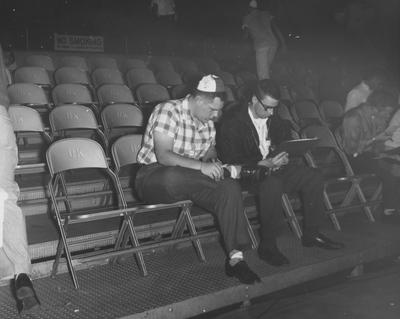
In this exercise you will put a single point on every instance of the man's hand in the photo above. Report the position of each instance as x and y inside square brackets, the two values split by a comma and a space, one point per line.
[275, 162]
[213, 170]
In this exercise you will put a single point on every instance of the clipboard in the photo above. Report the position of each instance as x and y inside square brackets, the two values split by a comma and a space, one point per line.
[297, 147]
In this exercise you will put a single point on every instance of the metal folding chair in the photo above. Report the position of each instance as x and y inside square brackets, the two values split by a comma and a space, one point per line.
[332, 161]
[102, 76]
[161, 64]
[69, 74]
[32, 74]
[180, 91]
[121, 119]
[103, 62]
[71, 93]
[284, 113]
[124, 152]
[228, 78]
[74, 120]
[28, 94]
[185, 66]
[73, 61]
[136, 77]
[151, 94]
[245, 78]
[43, 61]
[332, 113]
[208, 65]
[77, 154]
[27, 124]
[169, 79]
[114, 93]
[134, 64]
[305, 112]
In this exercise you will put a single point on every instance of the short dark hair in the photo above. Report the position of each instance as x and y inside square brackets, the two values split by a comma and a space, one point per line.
[266, 87]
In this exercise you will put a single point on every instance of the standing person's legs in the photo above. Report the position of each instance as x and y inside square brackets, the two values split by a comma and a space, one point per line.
[271, 55]
[262, 63]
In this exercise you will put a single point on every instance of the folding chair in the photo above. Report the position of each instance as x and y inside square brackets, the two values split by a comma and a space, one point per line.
[134, 64]
[28, 125]
[73, 61]
[114, 93]
[69, 74]
[169, 79]
[28, 94]
[333, 163]
[124, 152]
[71, 93]
[208, 65]
[103, 62]
[284, 113]
[136, 77]
[120, 119]
[32, 74]
[43, 61]
[186, 66]
[74, 120]
[161, 64]
[245, 78]
[151, 94]
[228, 78]
[332, 113]
[305, 112]
[77, 154]
[180, 91]
[106, 76]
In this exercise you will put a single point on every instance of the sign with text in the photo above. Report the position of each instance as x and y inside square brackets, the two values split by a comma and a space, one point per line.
[69, 42]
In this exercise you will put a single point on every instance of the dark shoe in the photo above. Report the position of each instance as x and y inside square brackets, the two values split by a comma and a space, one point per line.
[321, 241]
[27, 300]
[273, 257]
[242, 272]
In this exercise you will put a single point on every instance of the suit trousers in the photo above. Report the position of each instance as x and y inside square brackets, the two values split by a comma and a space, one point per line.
[293, 178]
[156, 183]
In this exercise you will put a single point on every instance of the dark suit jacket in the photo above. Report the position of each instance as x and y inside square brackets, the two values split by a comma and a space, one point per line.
[237, 138]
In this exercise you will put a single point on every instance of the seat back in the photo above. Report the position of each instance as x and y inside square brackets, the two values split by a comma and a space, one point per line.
[103, 62]
[114, 93]
[71, 93]
[180, 91]
[168, 78]
[43, 61]
[305, 112]
[25, 119]
[69, 117]
[331, 111]
[119, 119]
[27, 94]
[107, 76]
[245, 78]
[208, 66]
[151, 93]
[69, 74]
[73, 61]
[136, 77]
[134, 64]
[125, 149]
[228, 78]
[75, 153]
[32, 74]
[186, 66]
[161, 64]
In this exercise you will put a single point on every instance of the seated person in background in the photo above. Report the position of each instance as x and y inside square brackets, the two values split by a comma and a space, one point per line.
[179, 163]
[360, 93]
[15, 261]
[363, 136]
[244, 139]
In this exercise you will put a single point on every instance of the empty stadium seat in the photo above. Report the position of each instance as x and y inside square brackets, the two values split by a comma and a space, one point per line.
[168, 79]
[69, 74]
[73, 61]
[305, 112]
[98, 62]
[161, 64]
[133, 64]
[106, 76]
[183, 65]
[333, 163]
[120, 119]
[332, 113]
[32, 74]
[70, 93]
[208, 65]
[28, 94]
[228, 78]
[43, 61]
[180, 91]
[136, 77]
[114, 93]
[151, 93]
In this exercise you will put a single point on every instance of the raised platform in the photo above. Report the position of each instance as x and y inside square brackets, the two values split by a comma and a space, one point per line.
[178, 286]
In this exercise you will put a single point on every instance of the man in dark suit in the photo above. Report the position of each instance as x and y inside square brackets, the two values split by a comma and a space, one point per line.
[244, 139]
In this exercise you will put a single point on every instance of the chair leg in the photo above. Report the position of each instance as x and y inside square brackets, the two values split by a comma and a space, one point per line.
[193, 232]
[253, 238]
[367, 209]
[60, 247]
[179, 226]
[135, 242]
[291, 216]
[332, 215]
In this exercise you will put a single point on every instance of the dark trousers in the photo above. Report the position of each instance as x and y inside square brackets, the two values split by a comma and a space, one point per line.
[293, 178]
[156, 183]
[365, 163]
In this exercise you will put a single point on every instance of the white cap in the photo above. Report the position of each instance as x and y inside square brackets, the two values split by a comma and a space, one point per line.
[211, 84]
[253, 4]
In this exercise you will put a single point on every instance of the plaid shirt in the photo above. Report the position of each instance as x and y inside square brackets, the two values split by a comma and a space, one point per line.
[192, 138]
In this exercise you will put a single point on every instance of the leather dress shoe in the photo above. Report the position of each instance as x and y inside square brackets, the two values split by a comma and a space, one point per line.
[27, 300]
[242, 272]
[273, 256]
[321, 241]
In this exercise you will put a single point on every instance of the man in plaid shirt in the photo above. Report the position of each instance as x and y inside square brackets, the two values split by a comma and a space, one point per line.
[179, 163]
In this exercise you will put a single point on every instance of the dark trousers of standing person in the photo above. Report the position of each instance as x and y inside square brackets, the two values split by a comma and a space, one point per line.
[293, 178]
[366, 164]
[156, 183]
